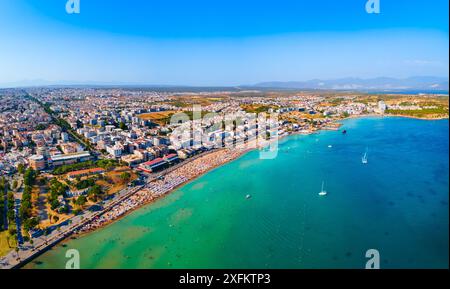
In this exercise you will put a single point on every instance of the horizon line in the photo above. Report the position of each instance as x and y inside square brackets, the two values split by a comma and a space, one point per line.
[64, 83]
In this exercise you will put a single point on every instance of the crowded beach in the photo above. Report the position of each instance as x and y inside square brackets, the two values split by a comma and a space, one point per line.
[165, 185]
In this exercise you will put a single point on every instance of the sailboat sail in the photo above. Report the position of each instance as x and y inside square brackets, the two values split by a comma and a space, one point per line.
[323, 192]
[364, 159]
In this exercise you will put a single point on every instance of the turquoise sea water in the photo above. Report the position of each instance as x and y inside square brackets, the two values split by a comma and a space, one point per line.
[397, 204]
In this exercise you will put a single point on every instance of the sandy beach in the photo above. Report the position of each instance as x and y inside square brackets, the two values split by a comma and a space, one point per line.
[160, 188]
[182, 175]
[178, 177]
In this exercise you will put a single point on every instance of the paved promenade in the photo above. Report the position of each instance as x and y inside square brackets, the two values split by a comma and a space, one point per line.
[29, 251]
[82, 221]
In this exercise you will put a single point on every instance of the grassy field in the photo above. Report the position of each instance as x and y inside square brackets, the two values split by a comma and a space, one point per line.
[4, 248]
[189, 101]
[156, 115]
[117, 182]
[110, 185]
[256, 108]
[163, 117]
[295, 116]
[159, 117]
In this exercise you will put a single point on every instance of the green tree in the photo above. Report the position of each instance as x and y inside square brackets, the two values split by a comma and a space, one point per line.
[85, 184]
[64, 209]
[20, 168]
[10, 212]
[2, 211]
[40, 127]
[123, 126]
[81, 201]
[95, 190]
[14, 184]
[94, 193]
[125, 176]
[29, 177]
[30, 223]
[54, 204]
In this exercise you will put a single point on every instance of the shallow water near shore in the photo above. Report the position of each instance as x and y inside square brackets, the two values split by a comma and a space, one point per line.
[397, 204]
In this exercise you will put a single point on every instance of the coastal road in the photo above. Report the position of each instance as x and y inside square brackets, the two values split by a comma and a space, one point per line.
[41, 243]
[28, 251]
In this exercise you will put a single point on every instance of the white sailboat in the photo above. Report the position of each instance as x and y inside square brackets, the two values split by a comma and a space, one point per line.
[364, 159]
[323, 192]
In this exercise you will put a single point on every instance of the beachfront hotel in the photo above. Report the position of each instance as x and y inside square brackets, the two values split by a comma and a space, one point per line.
[159, 163]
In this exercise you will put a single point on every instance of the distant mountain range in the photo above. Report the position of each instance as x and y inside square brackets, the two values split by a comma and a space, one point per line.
[381, 83]
[417, 84]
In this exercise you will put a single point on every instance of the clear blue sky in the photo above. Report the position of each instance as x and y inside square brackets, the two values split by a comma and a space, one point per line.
[220, 42]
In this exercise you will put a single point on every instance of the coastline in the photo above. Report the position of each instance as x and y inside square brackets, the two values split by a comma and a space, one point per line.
[393, 115]
[242, 151]
[149, 202]
[239, 155]
[173, 217]
[420, 118]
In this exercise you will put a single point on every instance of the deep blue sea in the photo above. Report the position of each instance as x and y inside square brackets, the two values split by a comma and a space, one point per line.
[397, 203]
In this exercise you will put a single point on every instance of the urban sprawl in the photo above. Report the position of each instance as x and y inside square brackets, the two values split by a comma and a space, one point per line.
[74, 159]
